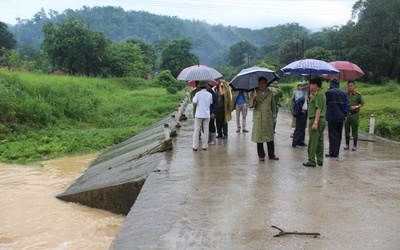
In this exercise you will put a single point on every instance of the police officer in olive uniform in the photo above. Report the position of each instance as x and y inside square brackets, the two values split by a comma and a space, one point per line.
[353, 120]
[316, 125]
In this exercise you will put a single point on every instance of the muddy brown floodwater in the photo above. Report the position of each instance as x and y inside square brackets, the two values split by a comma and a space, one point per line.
[32, 218]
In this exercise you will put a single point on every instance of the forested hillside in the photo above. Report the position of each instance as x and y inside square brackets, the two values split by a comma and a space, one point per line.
[371, 40]
[209, 41]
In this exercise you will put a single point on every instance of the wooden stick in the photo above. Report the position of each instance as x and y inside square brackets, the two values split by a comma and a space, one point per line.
[281, 233]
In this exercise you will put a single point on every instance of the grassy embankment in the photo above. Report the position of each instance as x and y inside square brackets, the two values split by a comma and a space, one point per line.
[44, 117]
[382, 101]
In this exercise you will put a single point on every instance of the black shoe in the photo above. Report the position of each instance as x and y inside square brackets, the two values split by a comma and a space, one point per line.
[320, 164]
[347, 147]
[354, 148]
[224, 136]
[328, 155]
[219, 136]
[307, 164]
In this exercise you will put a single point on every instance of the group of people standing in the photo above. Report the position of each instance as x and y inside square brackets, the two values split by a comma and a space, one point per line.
[212, 111]
[205, 98]
[336, 108]
[213, 107]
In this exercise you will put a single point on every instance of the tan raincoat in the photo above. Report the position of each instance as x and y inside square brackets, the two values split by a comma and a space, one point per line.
[264, 116]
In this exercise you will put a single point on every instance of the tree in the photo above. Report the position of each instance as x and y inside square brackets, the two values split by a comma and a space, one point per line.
[373, 42]
[148, 50]
[74, 47]
[7, 40]
[164, 79]
[292, 40]
[176, 56]
[319, 53]
[241, 52]
[125, 59]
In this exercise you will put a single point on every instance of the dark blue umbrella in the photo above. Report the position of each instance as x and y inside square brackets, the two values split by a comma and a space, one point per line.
[247, 79]
[310, 67]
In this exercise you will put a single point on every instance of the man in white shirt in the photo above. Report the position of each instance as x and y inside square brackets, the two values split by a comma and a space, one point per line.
[202, 101]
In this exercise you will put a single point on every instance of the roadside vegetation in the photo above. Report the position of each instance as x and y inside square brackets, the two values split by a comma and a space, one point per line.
[383, 101]
[44, 117]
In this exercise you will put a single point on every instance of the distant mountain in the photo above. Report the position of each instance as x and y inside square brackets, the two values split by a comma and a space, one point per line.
[210, 42]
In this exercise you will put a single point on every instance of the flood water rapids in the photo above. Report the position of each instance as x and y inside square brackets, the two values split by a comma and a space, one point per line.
[32, 218]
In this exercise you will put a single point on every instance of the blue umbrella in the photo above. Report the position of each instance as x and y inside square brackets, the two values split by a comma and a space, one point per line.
[311, 67]
[247, 79]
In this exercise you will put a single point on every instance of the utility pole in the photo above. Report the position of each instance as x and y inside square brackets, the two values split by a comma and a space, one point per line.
[17, 23]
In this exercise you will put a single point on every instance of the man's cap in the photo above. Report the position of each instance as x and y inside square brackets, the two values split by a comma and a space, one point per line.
[203, 84]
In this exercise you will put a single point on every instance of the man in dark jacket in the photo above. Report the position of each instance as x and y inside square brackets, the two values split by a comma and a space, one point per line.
[337, 109]
[213, 111]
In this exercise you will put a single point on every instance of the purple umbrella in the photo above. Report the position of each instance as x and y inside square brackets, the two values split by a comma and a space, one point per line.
[310, 67]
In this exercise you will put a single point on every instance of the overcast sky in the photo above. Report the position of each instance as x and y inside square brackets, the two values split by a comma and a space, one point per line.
[254, 14]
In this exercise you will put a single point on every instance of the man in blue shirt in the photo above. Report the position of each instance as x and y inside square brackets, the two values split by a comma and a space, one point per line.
[240, 100]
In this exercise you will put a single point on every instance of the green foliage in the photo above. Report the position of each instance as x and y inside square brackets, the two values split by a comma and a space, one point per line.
[164, 79]
[50, 116]
[74, 47]
[176, 56]
[319, 53]
[125, 59]
[148, 50]
[241, 52]
[7, 40]
[287, 90]
[172, 90]
[374, 41]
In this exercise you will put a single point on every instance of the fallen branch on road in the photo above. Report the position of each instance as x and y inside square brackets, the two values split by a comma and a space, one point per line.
[281, 233]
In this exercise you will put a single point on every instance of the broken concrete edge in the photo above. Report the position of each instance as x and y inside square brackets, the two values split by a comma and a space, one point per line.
[110, 195]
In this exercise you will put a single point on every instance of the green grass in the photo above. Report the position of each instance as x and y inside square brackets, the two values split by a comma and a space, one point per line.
[44, 117]
[381, 101]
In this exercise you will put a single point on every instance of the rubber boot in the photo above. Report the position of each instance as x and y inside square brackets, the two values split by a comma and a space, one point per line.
[212, 138]
[347, 143]
[355, 145]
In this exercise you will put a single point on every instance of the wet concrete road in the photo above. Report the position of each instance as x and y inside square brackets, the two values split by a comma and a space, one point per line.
[224, 198]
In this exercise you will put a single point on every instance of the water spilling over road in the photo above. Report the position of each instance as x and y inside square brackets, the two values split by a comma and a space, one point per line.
[32, 218]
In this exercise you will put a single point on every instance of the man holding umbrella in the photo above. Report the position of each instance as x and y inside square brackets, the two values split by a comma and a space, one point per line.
[264, 113]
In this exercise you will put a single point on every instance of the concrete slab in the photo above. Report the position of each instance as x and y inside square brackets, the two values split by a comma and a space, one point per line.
[224, 198]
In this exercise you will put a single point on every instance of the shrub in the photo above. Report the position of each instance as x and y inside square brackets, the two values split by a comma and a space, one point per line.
[172, 90]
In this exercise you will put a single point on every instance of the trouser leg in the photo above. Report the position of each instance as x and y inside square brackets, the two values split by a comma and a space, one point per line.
[354, 125]
[197, 126]
[271, 149]
[244, 115]
[320, 145]
[205, 122]
[335, 137]
[299, 132]
[220, 120]
[316, 142]
[238, 116]
[260, 150]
